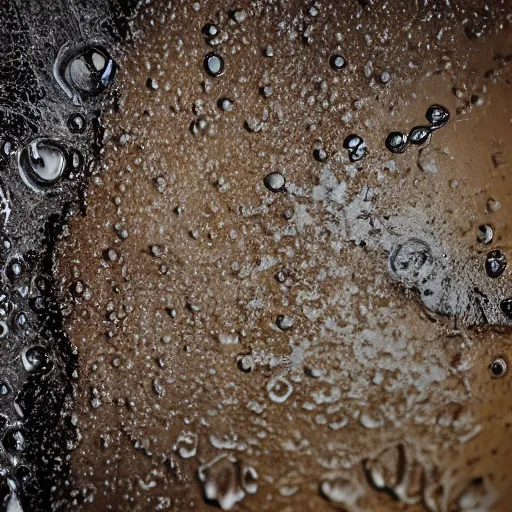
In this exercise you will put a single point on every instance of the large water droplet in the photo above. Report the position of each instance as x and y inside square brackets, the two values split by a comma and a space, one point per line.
[86, 72]
[42, 162]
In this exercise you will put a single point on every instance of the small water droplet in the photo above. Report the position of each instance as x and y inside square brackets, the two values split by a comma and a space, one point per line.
[34, 358]
[356, 147]
[506, 307]
[419, 135]
[14, 441]
[337, 61]
[76, 123]
[42, 162]
[485, 234]
[495, 263]
[274, 181]
[498, 368]
[437, 116]
[396, 142]
[214, 64]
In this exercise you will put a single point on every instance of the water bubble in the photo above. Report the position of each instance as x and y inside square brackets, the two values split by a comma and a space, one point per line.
[485, 234]
[42, 162]
[506, 307]
[14, 441]
[419, 135]
[274, 182]
[495, 263]
[88, 71]
[34, 358]
[437, 116]
[76, 123]
[214, 64]
[337, 61]
[498, 368]
[396, 142]
[412, 261]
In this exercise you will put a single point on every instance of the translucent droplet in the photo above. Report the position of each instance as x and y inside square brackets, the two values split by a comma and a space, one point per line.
[14, 441]
[274, 182]
[34, 359]
[42, 162]
[498, 368]
[76, 123]
[419, 135]
[495, 263]
[337, 62]
[86, 72]
[437, 116]
[214, 64]
[396, 142]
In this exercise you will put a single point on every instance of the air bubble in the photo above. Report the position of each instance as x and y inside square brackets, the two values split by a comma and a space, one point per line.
[214, 64]
[42, 162]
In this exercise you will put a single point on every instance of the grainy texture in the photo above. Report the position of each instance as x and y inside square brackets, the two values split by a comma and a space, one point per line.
[333, 336]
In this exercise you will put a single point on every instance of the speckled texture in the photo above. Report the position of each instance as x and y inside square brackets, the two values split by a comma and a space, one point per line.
[378, 376]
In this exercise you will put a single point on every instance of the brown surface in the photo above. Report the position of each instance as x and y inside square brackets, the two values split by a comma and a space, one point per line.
[377, 353]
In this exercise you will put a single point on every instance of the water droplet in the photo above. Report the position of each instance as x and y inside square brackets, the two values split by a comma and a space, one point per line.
[226, 104]
[86, 72]
[274, 182]
[419, 135]
[214, 64]
[320, 154]
[15, 269]
[412, 261]
[5, 389]
[356, 147]
[42, 162]
[267, 91]
[76, 123]
[14, 441]
[506, 307]
[34, 359]
[485, 234]
[437, 116]
[495, 264]
[284, 322]
[21, 321]
[210, 30]
[384, 77]
[396, 142]
[498, 368]
[337, 61]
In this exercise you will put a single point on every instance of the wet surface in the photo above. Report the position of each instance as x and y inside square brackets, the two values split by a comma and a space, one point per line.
[271, 303]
